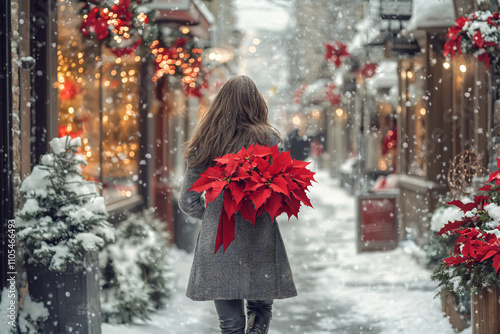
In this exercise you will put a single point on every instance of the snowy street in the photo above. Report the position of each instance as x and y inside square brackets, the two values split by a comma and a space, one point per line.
[339, 291]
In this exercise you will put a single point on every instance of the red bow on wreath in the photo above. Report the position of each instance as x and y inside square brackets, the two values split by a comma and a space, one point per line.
[254, 181]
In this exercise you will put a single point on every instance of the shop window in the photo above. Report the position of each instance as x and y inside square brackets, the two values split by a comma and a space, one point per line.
[110, 139]
[414, 104]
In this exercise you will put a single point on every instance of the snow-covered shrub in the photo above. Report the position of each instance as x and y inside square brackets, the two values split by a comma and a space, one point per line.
[63, 215]
[135, 270]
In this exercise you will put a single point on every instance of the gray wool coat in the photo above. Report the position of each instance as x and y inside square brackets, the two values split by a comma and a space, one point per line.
[255, 265]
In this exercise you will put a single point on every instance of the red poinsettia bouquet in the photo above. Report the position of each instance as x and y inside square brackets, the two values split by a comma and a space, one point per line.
[254, 181]
[477, 34]
[475, 260]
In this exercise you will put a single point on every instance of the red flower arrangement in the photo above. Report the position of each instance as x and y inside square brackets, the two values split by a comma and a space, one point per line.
[332, 94]
[335, 51]
[255, 180]
[120, 26]
[475, 260]
[477, 34]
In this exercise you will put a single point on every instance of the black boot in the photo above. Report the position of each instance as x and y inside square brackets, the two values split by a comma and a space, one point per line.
[259, 314]
[231, 316]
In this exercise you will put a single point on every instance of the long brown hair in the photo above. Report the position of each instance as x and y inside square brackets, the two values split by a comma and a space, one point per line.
[237, 117]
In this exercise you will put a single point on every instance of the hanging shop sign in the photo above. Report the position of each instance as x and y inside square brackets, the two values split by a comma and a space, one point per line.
[377, 221]
[396, 9]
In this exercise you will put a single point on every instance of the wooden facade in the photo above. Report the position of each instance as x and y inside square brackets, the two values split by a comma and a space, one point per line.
[444, 110]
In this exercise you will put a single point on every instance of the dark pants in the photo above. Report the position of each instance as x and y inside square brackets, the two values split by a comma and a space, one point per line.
[232, 313]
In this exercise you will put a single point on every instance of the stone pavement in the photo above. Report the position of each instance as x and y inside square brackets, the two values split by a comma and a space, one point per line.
[339, 291]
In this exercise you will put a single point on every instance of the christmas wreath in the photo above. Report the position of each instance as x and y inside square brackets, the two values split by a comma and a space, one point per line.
[254, 181]
[475, 33]
[121, 24]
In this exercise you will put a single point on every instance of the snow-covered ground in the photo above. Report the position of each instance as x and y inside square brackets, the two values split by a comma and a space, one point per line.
[339, 290]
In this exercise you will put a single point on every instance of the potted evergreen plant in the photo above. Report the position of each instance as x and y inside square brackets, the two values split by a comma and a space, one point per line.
[62, 225]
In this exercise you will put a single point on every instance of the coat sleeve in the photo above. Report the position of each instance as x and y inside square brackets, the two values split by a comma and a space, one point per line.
[191, 202]
[275, 140]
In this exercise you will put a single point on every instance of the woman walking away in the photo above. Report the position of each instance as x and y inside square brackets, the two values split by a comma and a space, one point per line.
[255, 266]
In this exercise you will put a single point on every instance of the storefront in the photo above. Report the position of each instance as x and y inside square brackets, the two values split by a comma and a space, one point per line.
[380, 120]
[341, 135]
[443, 111]
[132, 129]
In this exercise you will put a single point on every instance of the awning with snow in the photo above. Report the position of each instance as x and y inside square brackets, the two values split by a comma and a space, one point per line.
[428, 14]
[192, 13]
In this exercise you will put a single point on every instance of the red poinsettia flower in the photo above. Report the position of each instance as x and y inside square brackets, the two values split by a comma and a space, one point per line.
[478, 40]
[368, 70]
[495, 176]
[459, 26]
[485, 57]
[491, 22]
[335, 52]
[254, 181]
[95, 25]
[452, 46]
[121, 9]
[474, 243]
[332, 95]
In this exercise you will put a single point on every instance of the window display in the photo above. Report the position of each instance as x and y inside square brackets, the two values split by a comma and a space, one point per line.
[99, 105]
[414, 103]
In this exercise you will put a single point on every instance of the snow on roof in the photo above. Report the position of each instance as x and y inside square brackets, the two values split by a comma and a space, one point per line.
[431, 14]
[367, 30]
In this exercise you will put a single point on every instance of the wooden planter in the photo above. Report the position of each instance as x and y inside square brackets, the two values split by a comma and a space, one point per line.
[486, 311]
[72, 298]
[457, 321]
